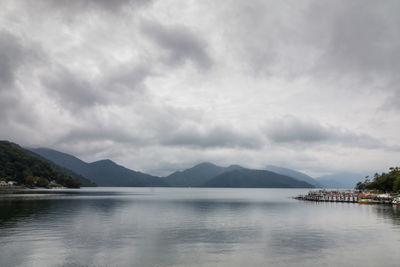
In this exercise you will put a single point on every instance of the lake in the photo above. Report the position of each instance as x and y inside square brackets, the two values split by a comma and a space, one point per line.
[193, 227]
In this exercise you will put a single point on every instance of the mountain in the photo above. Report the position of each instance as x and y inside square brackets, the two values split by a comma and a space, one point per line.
[294, 174]
[103, 172]
[25, 167]
[62, 159]
[67, 172]
[108, 173]
[197, 175]
[340, 180]
[255, 179]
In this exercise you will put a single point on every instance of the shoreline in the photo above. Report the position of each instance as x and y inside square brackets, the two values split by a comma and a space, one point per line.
[23, 189]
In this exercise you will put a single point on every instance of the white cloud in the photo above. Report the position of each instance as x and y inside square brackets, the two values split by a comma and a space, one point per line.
[156, 85]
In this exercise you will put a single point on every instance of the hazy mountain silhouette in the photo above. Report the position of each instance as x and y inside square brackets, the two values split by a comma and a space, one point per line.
[197, 175]
[103, 172]
[255, 179]
[108, 173]
[294, 174]
[340, 180]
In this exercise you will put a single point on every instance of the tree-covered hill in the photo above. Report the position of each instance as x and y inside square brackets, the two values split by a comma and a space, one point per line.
[20, 165]
[65, 171]
[386, 182]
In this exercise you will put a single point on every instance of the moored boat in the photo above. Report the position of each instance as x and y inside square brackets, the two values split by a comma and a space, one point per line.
[368, 201]
[396, 200]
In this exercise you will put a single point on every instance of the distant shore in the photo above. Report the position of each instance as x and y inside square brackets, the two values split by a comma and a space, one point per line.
[7, 188]
[11, 189]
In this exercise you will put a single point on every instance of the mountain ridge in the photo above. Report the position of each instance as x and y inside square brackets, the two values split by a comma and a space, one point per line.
[102, 172]
[248, 178]
[294, 174]
[197, 175]
[106, 172]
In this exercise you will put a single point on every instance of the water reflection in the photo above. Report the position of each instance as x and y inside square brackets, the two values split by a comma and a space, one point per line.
[389, 213]
[14, 211]
[302, 240]
[202, 227]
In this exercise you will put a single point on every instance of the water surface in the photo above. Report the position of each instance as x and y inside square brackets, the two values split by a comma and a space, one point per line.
[193, 227]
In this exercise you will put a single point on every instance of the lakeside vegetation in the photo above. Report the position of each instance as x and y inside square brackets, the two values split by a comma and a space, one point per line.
[384, 182]
[19, 165]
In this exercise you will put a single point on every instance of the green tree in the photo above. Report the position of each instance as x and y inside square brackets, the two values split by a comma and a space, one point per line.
[385, 182]
[24, 167]
[29, 180]
[396, 184]
[42, 182]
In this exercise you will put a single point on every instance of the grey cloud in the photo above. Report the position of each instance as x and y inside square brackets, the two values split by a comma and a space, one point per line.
[363, 38]
[84, 100]
[253, 34]
[15, 58]
[292, 130]
[13, 55]
[181, 44]
[72, 92]
[79, 6]
[197, 137]
[332, 40]
[393, 101]
[167, 127]
[98, 132]
[126, 77]
[190, 128]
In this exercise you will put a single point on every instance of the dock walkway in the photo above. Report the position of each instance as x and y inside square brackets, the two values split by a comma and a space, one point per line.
[344, 196]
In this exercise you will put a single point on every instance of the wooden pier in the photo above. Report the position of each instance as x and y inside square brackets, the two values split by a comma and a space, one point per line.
[346, 197]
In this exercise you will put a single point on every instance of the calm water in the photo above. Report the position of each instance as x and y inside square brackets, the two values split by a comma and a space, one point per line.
[193, 227]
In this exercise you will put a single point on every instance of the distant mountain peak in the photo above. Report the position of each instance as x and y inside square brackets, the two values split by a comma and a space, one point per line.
[204, 164]
[196, 175]
[235, 167]
[104, 161]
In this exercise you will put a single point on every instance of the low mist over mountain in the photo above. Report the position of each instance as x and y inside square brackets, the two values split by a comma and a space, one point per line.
[256, 179]
[103, 172]
[335, 180]
[197, 175]
[341, 180]
[294, 174]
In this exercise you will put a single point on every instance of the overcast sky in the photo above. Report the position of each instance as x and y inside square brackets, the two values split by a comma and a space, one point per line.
[161, 85]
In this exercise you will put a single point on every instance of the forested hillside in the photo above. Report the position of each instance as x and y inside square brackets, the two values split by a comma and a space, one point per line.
[18, 164]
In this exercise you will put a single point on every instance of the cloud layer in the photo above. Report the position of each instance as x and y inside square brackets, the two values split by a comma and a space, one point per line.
[162, 85]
